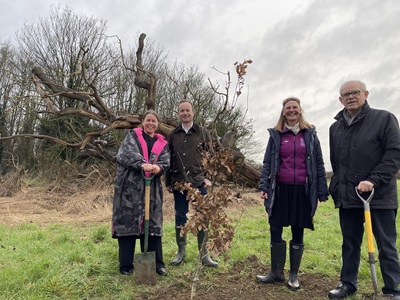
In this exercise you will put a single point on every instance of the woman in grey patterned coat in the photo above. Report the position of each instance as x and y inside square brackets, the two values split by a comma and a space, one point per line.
[142, 149]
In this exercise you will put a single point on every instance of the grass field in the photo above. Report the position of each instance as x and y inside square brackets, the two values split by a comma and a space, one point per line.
[81, 261]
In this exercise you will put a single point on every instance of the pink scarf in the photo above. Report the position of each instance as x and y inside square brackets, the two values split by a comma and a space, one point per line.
[157, 148]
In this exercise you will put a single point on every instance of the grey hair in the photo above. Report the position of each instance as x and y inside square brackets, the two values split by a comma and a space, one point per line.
[362, 84]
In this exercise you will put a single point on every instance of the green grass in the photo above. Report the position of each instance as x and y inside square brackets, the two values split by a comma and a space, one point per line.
[81, 262]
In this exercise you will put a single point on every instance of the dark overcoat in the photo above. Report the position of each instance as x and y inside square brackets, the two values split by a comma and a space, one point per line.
[368, 149]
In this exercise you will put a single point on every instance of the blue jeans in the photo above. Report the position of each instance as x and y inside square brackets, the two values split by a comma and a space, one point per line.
[182, 205]
[384, 230]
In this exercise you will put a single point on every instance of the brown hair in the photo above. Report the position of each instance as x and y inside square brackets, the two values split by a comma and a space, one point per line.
[186, 101]
[302, 121]
[151, 112]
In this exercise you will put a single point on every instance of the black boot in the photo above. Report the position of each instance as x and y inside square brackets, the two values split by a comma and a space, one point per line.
[205, 256]
[296, 253]
[278, 259]
[181, 242]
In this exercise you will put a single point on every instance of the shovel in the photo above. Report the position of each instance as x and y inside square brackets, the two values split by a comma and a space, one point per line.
[370, 238]
[145, 263]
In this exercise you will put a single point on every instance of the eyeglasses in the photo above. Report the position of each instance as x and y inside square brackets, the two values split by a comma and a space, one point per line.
[352, 93]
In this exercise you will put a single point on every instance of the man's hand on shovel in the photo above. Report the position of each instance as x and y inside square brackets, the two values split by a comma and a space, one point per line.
[365, 186]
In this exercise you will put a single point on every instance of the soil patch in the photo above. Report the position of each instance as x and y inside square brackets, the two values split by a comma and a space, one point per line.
[240, 283]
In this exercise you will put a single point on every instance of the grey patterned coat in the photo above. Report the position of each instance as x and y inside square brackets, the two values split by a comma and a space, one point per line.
[128, 206]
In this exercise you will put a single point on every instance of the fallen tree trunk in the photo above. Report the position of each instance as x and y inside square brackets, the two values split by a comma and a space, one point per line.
[246, 175]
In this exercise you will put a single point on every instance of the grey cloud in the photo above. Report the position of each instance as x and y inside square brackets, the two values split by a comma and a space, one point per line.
[311, 52]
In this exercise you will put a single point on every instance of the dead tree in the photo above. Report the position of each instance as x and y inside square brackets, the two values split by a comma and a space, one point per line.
[93, 107]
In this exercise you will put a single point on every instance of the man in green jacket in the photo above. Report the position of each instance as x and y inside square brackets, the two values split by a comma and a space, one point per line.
[186, 143]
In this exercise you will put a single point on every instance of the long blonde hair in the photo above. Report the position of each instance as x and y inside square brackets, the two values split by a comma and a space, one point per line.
[302, 121]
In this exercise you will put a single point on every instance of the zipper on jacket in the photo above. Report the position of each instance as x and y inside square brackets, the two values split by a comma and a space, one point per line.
[294, 160]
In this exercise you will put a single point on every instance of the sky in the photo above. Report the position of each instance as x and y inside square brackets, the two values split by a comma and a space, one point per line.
[302, 48]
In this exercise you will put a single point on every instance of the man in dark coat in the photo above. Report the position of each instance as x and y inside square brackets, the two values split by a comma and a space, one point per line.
[365, 153]
[186, 142]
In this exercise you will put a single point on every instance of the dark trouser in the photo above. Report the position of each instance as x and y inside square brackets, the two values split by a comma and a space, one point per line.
[384, 230]
[127, 249]
[182, 205]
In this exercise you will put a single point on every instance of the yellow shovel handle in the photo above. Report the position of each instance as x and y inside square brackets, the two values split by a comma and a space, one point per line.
[368, 224]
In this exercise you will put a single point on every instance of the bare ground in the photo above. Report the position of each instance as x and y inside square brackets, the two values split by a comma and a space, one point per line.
[72, 204]
[240, 283]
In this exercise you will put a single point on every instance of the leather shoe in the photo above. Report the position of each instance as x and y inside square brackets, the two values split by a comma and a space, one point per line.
[390, 296]
[341, 291]
[162, 271]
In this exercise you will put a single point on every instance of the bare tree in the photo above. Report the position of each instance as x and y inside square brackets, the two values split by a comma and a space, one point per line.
[83, 88]
[16, 111]
[5, 89]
